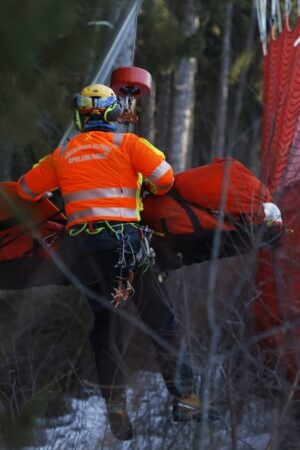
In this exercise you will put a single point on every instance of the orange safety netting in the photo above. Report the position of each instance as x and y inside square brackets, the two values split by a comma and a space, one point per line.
[277, 307]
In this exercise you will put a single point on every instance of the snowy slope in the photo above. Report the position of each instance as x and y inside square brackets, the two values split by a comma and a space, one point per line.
[149, 407]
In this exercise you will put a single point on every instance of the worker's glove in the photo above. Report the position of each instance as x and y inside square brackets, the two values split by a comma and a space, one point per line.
[145, 190]
[272, 214]
[274, 225]
[47, 195]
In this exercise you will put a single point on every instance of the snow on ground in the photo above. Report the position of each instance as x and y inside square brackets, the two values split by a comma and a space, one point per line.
[149, 407]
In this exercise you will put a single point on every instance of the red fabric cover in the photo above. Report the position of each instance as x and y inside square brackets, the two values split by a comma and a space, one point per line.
[225, 185]
[16, 240]
[281, 108]
[174, 216]
[277, 307]
[278, 304]
[16, 245]
[13, 206]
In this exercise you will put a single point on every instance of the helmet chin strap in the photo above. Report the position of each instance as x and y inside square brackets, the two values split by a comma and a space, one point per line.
[99, 125]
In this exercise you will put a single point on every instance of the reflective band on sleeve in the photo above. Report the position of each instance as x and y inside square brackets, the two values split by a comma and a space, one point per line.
[128, 213]
[100, 193]
[159, 171]
[25, 188]
[117, 138]
[149, 145]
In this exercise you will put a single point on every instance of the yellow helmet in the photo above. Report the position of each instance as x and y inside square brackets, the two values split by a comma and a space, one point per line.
[96, 108]
[97, 90]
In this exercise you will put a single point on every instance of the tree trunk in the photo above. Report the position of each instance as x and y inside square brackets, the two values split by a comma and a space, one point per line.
[6, 163]
[182, 114]
[222, 104]
[239, 102]
[255, 145]
[145, 125]
[183, 96]
[163, 111]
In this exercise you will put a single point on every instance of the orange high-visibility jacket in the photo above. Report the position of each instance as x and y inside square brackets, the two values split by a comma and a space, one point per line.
[99, 175]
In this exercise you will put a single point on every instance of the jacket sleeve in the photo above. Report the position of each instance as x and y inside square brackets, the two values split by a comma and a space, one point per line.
[40, 179]
[150, 162]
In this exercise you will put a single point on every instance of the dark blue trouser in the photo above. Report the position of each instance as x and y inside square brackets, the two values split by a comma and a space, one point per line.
[92, 259]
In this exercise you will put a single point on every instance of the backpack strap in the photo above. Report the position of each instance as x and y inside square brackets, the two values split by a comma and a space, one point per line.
[173, 193]
[187, 206]
[237, 220]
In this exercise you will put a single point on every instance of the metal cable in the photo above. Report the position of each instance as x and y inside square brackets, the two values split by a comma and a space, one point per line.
[135, 33]
[129, 19]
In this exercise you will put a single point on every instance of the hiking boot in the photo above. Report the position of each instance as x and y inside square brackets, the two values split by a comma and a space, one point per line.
[119, 421]
[187, 408]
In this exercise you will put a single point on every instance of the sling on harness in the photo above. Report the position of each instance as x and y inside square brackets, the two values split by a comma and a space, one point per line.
[130, 258]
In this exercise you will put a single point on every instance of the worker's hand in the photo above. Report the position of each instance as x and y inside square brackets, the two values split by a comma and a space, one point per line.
[47, 195]
[148, 187]
[144, 191]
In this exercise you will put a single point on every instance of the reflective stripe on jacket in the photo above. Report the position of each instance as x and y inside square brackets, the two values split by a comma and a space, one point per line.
[98, 174]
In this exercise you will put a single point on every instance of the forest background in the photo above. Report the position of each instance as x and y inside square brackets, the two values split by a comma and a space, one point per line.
[206, 101]
[204, 57]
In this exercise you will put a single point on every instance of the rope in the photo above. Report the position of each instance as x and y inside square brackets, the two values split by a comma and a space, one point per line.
[261, 7]
[279, 18]
[275, 20]
[287, 7]
[287, 12]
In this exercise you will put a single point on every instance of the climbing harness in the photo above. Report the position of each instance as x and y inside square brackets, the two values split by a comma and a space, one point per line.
[87, 228]
[124, 290]
[146, 255]
[129, 259]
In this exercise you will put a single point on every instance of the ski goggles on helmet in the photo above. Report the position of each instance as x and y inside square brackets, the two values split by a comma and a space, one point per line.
[86, 105]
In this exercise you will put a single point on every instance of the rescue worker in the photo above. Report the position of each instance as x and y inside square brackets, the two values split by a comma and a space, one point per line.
[99, 173]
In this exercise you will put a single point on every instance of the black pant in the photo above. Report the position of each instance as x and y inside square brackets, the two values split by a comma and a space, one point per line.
[92, 259]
